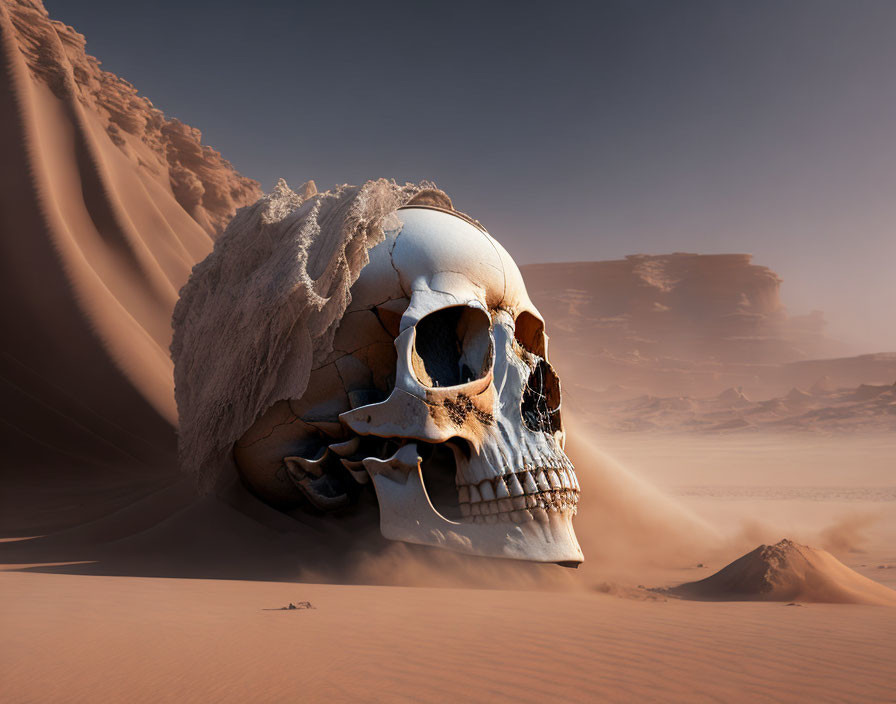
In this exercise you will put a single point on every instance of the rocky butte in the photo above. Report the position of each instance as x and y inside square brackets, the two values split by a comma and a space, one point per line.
[675, 322]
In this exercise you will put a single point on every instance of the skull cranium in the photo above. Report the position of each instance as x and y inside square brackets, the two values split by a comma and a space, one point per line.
[440, 392]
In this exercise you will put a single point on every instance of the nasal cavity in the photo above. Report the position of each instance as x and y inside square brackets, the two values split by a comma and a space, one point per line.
[452, 346]
[541, 399]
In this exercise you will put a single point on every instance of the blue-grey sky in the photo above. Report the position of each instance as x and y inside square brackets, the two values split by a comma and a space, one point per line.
[574, 131]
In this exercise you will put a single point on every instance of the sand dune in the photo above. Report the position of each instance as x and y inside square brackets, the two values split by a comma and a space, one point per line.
[104, 208]
[788, 571]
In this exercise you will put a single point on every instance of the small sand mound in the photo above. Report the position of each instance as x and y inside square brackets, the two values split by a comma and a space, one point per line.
[788, 571]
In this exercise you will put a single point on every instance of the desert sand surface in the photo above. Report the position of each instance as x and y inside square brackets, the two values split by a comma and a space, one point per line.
[119, 583]
[73, 638]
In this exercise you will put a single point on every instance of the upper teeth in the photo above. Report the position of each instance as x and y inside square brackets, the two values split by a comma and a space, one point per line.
[520, 496]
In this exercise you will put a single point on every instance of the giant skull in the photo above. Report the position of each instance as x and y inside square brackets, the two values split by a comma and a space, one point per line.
[439, 391]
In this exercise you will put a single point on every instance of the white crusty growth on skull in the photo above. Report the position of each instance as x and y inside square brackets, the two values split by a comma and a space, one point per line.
[440, 391]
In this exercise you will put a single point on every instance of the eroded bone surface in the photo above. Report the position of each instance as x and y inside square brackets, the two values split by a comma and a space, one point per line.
[441, 348]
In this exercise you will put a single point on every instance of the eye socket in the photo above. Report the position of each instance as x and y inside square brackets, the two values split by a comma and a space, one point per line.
[529, 332]
[452, 346]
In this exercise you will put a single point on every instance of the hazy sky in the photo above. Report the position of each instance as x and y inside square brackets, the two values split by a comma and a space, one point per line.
[573, 131]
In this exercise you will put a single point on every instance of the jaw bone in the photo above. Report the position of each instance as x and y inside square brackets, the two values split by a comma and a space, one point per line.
[407, 514]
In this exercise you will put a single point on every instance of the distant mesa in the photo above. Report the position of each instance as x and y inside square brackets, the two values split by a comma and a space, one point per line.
[693, 324]
[708, 307]
[787, 572]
